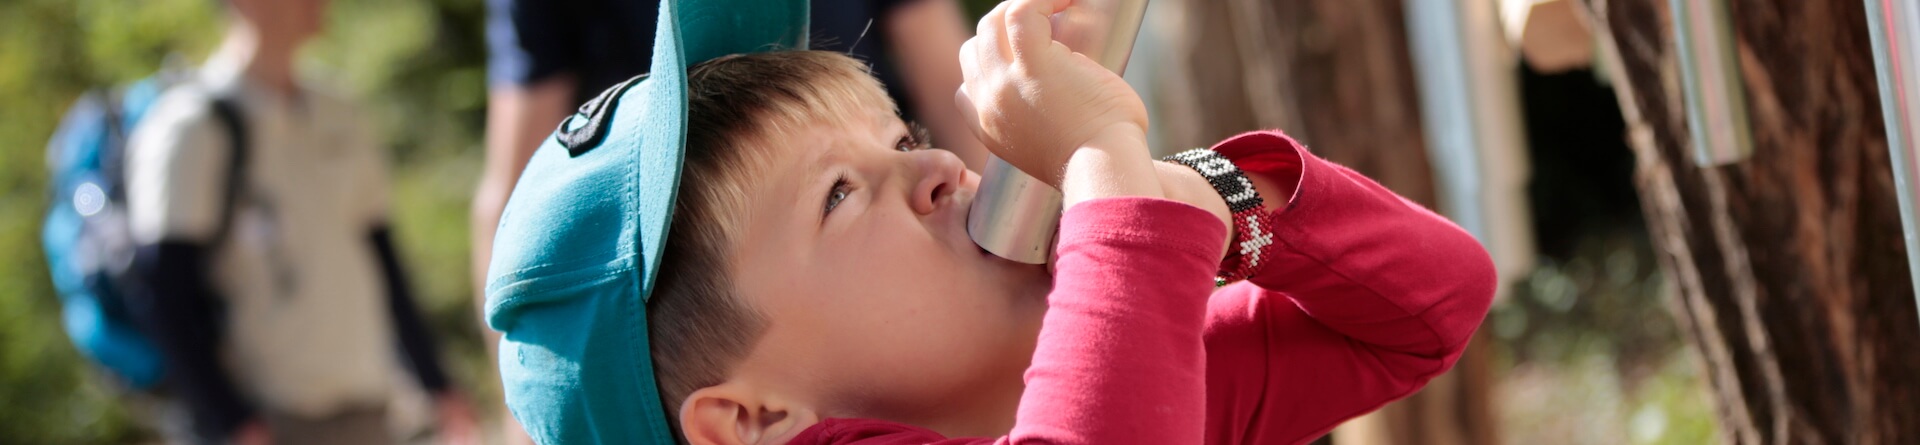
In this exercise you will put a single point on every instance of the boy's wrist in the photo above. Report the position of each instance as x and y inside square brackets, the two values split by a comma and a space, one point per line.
[1113, 163]
[1248, 218]
[1125, 139]
[1185, 185]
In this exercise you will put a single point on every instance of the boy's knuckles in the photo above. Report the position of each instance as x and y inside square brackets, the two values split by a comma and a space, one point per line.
[1018, 70]
[994, 17]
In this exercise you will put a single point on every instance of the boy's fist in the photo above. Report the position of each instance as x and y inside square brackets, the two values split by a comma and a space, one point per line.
[1034, 102]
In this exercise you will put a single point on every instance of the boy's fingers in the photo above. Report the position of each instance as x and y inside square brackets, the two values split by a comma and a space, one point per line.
[968, 64]
[969, 72]
[980, 63]
[995, 18]
[969, 61]
[992, 34]
[1029, 28]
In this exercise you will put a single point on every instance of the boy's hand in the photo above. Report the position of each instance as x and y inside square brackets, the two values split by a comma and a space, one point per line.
[1035, 103]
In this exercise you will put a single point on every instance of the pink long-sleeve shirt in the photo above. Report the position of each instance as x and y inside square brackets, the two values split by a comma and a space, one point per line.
[1366, 296]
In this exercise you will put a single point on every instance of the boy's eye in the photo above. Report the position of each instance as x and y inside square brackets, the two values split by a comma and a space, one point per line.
[917, 138]
[838, 193]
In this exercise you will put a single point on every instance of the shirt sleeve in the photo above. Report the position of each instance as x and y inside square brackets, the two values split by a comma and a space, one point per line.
[1366, 297]
[527, 41]
[880, 8]
[411, 334]
[1119, 358]
[176, 171]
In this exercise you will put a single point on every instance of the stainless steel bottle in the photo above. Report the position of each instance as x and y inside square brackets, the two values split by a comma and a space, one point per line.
[1015, 215]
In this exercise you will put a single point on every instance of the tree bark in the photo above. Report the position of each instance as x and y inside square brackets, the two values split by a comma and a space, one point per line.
[1337, 76]
[1789, 267]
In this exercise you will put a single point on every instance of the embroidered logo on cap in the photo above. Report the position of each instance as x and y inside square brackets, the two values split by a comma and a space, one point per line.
[585, 129]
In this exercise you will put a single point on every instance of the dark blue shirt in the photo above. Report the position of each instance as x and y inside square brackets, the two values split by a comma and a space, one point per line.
[603, 42]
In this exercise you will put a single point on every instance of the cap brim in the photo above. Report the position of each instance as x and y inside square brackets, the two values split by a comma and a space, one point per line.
[580, 241]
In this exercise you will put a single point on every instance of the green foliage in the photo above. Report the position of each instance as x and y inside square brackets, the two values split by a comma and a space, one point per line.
[419, 67]
[50, 50]
[1593, 352]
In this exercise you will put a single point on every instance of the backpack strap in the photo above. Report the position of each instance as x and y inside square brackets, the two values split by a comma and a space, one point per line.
[229, 115]
[113, 163]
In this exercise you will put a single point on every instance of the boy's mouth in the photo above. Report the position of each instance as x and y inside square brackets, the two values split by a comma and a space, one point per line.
[959, 203]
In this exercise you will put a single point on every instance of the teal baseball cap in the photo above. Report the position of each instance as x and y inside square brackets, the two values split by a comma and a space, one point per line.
[579, 243]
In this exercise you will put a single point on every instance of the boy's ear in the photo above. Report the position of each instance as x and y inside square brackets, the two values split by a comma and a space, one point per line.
[727, 414]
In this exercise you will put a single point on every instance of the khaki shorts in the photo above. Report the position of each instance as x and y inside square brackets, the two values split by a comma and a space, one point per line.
[366, 425]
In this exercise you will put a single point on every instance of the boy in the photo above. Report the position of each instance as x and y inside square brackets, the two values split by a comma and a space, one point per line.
[547, 56]
[757, 251]
[280, 321]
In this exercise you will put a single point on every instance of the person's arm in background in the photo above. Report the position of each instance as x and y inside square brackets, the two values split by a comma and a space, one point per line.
[519, 117]
[412, 338]
[530, 92]
[455, 415]
[925, 36]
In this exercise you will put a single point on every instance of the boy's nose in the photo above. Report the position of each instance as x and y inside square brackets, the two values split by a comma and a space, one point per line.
[939, 173]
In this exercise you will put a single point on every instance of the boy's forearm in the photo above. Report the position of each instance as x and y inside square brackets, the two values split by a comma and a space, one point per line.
[1364, 261]
[1120, 357]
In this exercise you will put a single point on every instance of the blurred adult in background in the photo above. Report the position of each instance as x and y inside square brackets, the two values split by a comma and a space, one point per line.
[546, 57]
[280, 317]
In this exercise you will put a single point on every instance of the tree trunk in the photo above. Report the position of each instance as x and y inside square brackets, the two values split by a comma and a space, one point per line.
[1334, 74]
[1789, 267]
[1337, 76]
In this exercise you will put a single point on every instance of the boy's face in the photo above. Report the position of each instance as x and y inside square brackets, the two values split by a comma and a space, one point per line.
[879, 304]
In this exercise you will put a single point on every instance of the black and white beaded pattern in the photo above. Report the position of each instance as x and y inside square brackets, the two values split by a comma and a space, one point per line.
[1248, 211]
[1223, 175]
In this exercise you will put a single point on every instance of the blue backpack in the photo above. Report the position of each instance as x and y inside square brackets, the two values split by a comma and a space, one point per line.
[86, 234]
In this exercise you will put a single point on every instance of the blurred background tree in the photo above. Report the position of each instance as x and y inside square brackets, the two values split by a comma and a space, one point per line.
[417, 66]
[1792, 274]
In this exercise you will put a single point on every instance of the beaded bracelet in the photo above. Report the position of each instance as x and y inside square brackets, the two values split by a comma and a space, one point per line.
[1251, 220]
